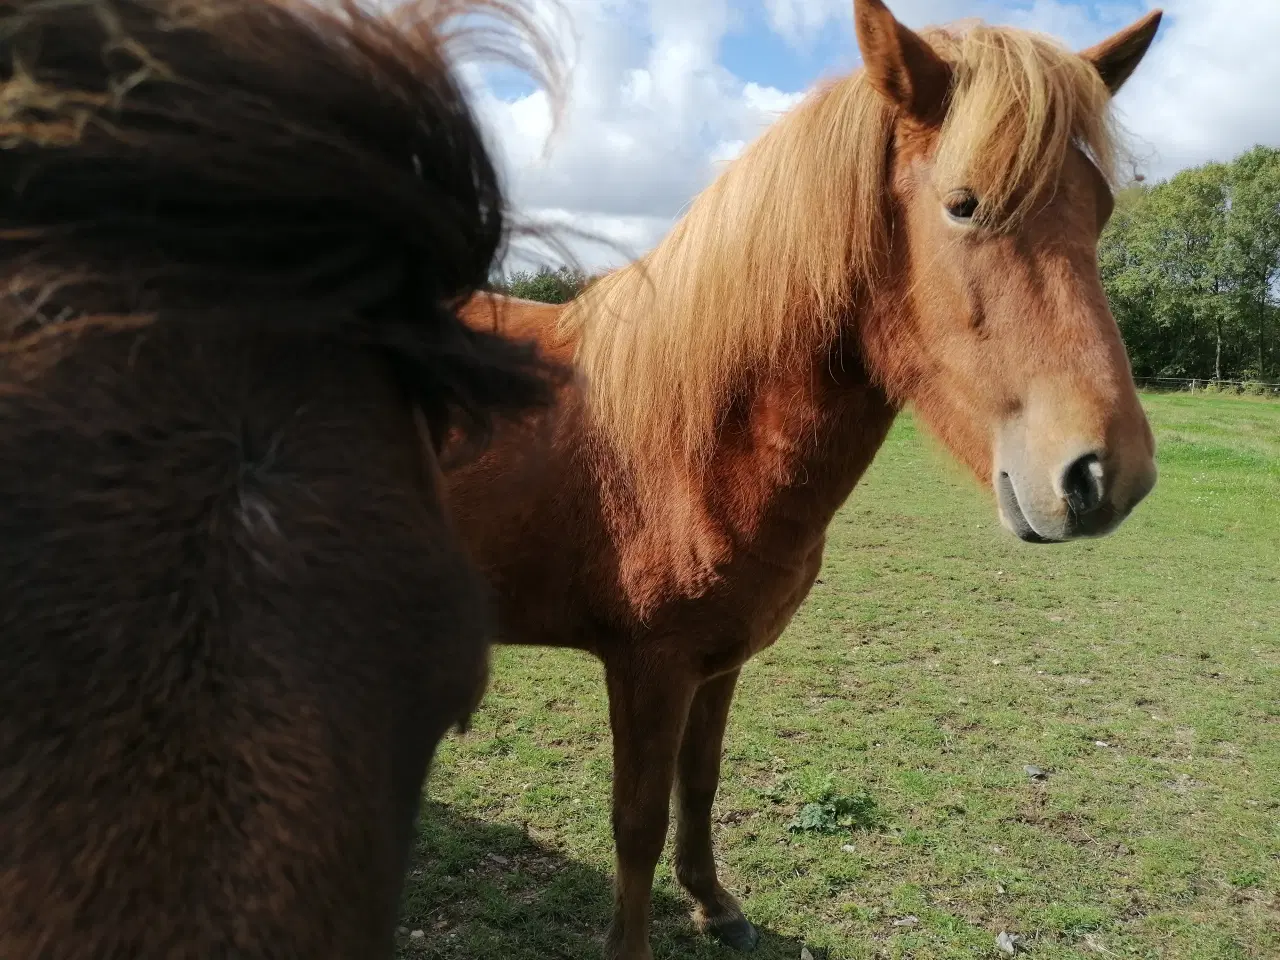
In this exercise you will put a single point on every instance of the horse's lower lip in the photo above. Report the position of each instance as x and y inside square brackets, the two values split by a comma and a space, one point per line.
[1013, 510]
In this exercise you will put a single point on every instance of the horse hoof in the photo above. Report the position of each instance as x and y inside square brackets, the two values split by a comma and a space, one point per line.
[736, 933]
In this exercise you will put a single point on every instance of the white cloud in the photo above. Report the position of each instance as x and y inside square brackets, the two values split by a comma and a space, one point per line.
[769, 100]
[1210, 87]
[653, 116]
[593, 239]
[796, 19]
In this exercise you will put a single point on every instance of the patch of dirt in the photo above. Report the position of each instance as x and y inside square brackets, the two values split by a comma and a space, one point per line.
[1183, 784]
[785, 734]
[1071, 827]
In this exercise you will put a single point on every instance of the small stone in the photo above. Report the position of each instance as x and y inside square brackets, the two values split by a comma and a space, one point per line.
[849, 848]
[907, 922]
[996, 663]
[418, 935]
[1008, 943]
[1101, 743]
[999, 888]
[1035, 773]
[498, 859]
[806, 953]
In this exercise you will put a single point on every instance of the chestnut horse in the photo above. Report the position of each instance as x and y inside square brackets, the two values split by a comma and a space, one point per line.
[922, 232]
[235, 619]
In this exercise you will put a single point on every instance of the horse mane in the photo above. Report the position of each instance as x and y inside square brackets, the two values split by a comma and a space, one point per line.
[771, 258]
[316, 166]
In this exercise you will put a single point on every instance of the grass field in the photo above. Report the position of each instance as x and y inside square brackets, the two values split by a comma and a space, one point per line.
[935, 660]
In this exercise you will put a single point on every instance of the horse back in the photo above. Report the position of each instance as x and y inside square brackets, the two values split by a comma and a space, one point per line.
[518, 319]
[234, 623]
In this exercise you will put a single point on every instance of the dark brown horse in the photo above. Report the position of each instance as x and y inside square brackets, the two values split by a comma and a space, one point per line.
[922, 232]
[235, 619]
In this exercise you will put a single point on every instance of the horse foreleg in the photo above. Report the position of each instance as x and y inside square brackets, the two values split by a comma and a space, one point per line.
[698, 776]
[648, 706]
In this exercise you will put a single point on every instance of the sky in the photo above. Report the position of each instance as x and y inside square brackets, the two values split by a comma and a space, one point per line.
[664, 93]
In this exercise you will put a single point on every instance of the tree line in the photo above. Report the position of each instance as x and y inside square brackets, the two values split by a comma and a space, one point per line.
[1190, 265]
[546, 285]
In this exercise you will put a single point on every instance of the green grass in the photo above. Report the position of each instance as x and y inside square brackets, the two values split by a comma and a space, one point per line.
[936, 658]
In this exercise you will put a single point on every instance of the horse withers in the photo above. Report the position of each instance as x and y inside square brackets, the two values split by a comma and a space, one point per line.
[922, 232]
[235, 617]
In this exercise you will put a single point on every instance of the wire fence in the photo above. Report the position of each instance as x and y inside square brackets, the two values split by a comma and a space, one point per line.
[1256, 388]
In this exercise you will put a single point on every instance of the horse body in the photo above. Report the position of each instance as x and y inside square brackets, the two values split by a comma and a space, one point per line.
[235, 616]
[921, 233]
[223, 730]
[673, 600]
[737, 549]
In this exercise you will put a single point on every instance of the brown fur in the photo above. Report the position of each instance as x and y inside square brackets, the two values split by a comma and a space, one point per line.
[736, 385]
[235, 619]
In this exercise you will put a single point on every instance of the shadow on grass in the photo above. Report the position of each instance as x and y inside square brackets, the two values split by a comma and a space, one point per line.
[492, 892]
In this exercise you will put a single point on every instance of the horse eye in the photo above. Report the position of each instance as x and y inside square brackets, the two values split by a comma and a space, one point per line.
[961, 205]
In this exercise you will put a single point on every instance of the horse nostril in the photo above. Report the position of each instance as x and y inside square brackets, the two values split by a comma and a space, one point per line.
[1082, 485]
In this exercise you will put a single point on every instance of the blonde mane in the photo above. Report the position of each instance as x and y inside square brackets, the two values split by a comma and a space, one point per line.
[769, 260]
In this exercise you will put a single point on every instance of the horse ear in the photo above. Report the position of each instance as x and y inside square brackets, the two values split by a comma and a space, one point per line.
[900, 64]
[1118, 56]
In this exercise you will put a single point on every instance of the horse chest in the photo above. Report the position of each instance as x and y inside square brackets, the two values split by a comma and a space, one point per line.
[777, 599]
[755, 601]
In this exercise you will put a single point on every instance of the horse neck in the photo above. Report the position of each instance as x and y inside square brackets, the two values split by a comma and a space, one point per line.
[792, 452]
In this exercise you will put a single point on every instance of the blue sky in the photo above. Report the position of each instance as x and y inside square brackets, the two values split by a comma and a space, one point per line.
[755, 51]
[665, 92]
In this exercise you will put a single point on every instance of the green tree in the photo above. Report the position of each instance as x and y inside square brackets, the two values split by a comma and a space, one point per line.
[1253, 249]
[545, 285]
[1192, 265]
